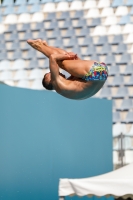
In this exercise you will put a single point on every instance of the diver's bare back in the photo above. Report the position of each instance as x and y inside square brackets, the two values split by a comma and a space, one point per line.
[84, 89]
[90, 88]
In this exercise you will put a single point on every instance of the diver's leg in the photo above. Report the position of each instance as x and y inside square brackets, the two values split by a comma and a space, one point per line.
[42, 46]
[77, 68]
[68, 65]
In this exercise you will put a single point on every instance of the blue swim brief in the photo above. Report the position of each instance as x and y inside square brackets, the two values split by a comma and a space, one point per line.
[99, 71]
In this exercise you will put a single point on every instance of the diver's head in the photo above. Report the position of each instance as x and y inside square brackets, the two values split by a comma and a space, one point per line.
[46, 81]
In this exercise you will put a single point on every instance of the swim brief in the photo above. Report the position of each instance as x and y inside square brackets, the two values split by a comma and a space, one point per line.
[99, 71]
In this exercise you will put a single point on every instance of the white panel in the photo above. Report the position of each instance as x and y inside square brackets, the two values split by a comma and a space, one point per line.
[37, 17]
[93, 13]
[118, 129]
[21, 75]
[115, 30]
[19, 64]
[11, 19]
[130, 133]
[90, 4]
[36, 74]
[99, 31]
[111, 20]
[107, 12]
[2, 28]
[76, 5]
[103, 3]
[130, 50]
[129, 39]
[24, 18]
[37, 84]
[62, 6]
[128, 156]
[23, 84]
[121, 10]
[49, 7]
[6, 75]
[115, 158]
[5, 65]
[128, 28]
[11, 83]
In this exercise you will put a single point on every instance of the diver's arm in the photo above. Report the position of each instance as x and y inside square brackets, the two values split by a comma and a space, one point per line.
[54, 68]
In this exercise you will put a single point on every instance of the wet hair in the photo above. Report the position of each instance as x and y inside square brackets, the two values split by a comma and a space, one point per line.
[46, 85]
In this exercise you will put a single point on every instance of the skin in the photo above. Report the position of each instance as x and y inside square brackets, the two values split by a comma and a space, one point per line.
[73, 87]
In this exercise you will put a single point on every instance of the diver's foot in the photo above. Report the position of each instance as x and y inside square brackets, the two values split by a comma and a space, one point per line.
[44, 42]
[37, 44]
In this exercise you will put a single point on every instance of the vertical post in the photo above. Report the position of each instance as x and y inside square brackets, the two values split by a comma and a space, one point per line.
[121, 150]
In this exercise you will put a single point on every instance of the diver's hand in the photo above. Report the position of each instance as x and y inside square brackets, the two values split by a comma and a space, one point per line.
[67, 56]
[76, 56]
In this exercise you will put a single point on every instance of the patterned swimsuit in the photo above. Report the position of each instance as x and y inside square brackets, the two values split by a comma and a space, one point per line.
[99, 71]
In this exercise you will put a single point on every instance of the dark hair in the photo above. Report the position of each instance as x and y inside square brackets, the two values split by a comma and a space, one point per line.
[46, 85]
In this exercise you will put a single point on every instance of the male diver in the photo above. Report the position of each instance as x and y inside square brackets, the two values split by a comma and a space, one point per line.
[87, 76]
